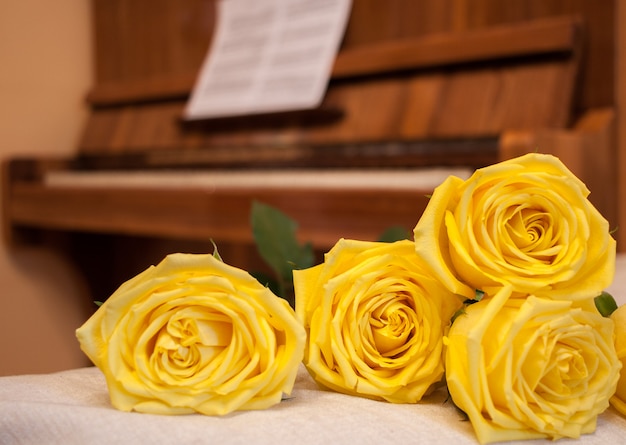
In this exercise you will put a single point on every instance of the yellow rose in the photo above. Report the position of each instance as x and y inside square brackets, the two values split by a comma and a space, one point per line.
[619, 317]
[193, 334]
[527, 222]
[375, 320]
[525, 368]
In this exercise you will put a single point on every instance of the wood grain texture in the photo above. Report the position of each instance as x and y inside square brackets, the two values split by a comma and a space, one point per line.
[532, 38]
[452, 103]
[198, 214]
[148, 46]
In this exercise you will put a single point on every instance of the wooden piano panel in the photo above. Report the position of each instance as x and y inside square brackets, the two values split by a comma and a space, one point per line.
[199, 214]
[375, 21]
[471, 84]
[156, 47]
[149, 45]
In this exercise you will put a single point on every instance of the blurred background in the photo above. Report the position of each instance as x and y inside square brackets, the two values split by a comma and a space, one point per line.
[45, 73]
[417, 84]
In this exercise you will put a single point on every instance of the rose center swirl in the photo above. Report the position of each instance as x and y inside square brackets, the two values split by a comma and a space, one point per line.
[190, 340]
[531, 231]
[391, 326]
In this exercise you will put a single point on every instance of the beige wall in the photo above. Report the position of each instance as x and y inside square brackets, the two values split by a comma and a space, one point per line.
[45, 72]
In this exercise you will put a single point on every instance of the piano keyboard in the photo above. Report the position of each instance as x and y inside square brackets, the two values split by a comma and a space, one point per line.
[410, 179]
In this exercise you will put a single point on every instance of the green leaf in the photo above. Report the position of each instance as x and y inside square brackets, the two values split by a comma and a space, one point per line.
[216, 254]
[394, 233]
[605, 303]
[275, 237]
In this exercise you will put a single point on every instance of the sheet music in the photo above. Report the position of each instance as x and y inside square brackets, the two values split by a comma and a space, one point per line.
[268, 56]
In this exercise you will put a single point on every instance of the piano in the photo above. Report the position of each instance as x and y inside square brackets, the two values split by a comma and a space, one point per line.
[419, 90]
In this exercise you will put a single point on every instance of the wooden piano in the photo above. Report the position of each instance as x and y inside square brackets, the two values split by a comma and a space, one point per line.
[420, 89]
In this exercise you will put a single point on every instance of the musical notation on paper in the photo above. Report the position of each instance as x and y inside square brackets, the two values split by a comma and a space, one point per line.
[268, 56]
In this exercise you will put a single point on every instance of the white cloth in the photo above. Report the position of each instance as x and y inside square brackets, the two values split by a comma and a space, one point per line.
[73, 407]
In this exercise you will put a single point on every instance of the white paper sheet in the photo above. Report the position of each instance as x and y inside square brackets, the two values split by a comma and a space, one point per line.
[268, 56]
